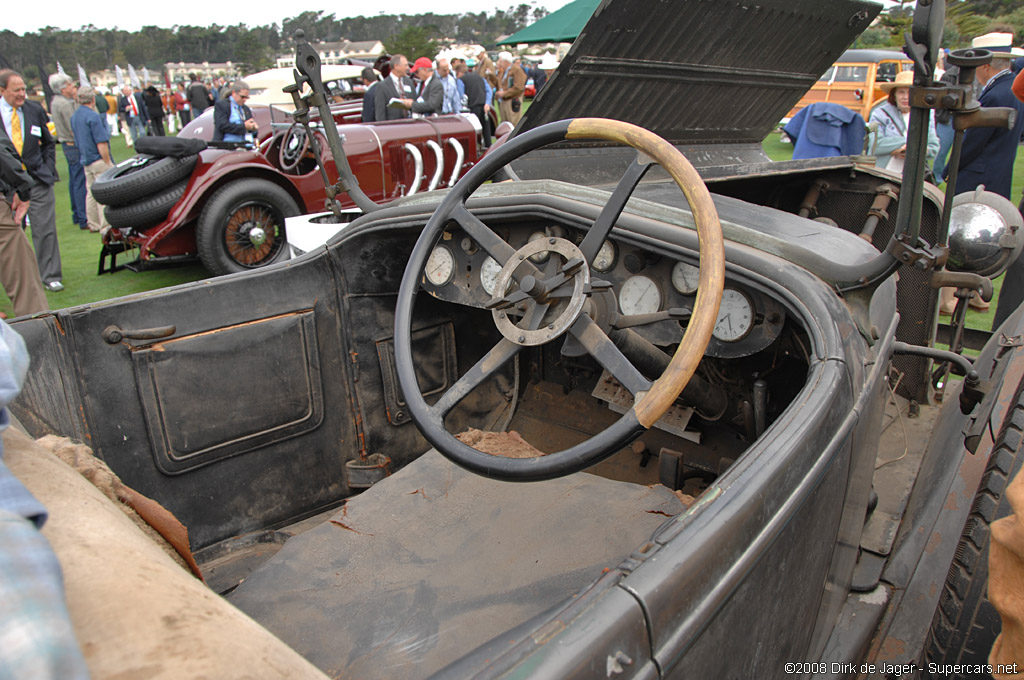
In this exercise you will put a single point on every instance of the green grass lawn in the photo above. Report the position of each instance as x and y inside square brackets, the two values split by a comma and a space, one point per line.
[80, 255]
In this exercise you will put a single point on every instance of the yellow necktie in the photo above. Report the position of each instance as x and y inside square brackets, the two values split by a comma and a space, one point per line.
[19, 141]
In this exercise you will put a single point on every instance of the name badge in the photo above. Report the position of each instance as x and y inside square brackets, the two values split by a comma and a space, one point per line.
[407, 88]
[36, 130]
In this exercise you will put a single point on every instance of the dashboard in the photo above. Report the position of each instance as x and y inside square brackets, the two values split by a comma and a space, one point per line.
[642, 281]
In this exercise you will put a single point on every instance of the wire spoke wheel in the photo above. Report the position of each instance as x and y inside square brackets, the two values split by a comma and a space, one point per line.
[252, 235]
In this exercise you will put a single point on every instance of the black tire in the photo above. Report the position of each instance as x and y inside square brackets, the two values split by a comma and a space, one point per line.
[965, 623]
[226, 224]
[140, 177]
[144, 214]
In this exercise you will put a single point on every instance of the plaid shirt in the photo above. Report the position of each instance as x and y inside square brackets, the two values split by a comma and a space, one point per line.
[36, 637]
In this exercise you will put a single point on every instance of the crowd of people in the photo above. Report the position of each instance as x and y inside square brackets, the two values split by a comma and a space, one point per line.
[447, 84]
[83, 121]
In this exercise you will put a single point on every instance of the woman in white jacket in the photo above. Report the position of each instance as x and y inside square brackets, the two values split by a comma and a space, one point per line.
[892, 117]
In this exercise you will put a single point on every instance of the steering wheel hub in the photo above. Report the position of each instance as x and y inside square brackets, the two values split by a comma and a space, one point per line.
[547, 330]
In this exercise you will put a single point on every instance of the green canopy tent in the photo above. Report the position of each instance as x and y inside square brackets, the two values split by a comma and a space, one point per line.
[562, 25]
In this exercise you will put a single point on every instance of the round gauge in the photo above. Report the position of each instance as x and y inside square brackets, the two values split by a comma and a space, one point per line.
[543, 255]
[605, 258]
[440, 266]
[489, 271]
[639, 295]
[685, 278]
[735, 316]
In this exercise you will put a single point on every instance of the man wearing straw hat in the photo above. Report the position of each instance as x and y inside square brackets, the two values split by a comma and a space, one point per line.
[988, 153]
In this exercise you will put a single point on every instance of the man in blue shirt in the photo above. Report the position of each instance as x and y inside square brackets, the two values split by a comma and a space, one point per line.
[92, 136]
[232, 118]
[452, 102]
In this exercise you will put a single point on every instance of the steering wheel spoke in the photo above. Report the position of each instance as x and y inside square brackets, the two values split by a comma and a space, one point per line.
[602, 226]
[487, 239]
[495, 358]
[600, 346]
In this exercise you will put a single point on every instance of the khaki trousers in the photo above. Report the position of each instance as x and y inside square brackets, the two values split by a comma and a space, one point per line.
[93, 210]
[19, 272]
[505, 108]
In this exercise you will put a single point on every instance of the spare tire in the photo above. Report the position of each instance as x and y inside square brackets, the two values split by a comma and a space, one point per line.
[144, 214]
[139, 177]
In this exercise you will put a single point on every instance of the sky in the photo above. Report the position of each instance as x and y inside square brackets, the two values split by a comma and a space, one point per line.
[131, 16]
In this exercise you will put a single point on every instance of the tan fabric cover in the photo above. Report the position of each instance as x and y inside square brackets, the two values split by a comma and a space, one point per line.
[138, 614]
[1006, 582]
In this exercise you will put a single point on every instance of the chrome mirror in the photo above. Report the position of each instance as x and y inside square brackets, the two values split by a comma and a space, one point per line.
[985, 233]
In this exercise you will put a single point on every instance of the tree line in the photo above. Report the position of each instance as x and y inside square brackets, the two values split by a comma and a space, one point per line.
[965, 19]
[36, 54]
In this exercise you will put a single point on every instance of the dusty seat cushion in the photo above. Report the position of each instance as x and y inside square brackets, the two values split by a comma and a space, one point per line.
[137, 613]
[434, 561]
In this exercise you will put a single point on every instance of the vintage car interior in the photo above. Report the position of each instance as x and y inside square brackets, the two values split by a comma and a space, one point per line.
[618, 417]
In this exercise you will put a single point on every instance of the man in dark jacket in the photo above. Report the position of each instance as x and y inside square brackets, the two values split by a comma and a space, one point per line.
[988, 153]
[396, 86]
[369, 106]
[232, 118]
[478, 95]
[430, 93]
[25, 125]
[198, 95]
[133, 107]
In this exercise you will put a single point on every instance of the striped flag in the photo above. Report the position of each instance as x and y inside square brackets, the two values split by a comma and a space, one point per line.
[134, 77]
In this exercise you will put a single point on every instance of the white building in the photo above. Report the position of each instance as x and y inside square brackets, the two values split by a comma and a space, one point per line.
[338, 52]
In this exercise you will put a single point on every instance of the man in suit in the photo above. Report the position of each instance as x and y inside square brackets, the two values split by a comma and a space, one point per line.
[369, 105]
[198, 95]
[19, 273]
[430, 93]
[396, 86]
[135, 112]
[25, 125]
[232, 118]
[988, 153]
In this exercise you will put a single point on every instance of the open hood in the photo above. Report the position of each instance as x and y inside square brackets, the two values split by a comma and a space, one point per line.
[699, 72]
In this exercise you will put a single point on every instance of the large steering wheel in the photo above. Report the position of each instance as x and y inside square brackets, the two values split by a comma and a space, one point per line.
[553, 300]
[294, 147]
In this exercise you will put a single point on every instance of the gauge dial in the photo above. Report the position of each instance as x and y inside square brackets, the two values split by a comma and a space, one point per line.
[735, 316]
[543, 255]
[605, 258]
[440, 266]
[639, 295]
[685, 278]
[489, 271]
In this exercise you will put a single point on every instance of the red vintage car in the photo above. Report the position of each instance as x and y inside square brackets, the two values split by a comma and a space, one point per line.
[227, 205]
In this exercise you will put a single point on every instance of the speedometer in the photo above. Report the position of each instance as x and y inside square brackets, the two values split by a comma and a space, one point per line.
[639, 295]
[489, 271]
[735, 316]
[440, 266]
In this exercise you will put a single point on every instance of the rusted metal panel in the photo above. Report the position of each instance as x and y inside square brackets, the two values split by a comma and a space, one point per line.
[699, 71]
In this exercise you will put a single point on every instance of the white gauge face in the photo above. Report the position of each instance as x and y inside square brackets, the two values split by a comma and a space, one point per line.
[543, 255]
[440, 266]
[605, 258]
[489, 271]
[735, 316]
[685, 278]
[639, 295]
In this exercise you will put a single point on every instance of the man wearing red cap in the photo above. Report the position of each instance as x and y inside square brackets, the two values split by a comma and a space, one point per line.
[430, 92]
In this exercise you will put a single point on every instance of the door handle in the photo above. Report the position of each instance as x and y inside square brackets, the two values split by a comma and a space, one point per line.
[114, 335]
